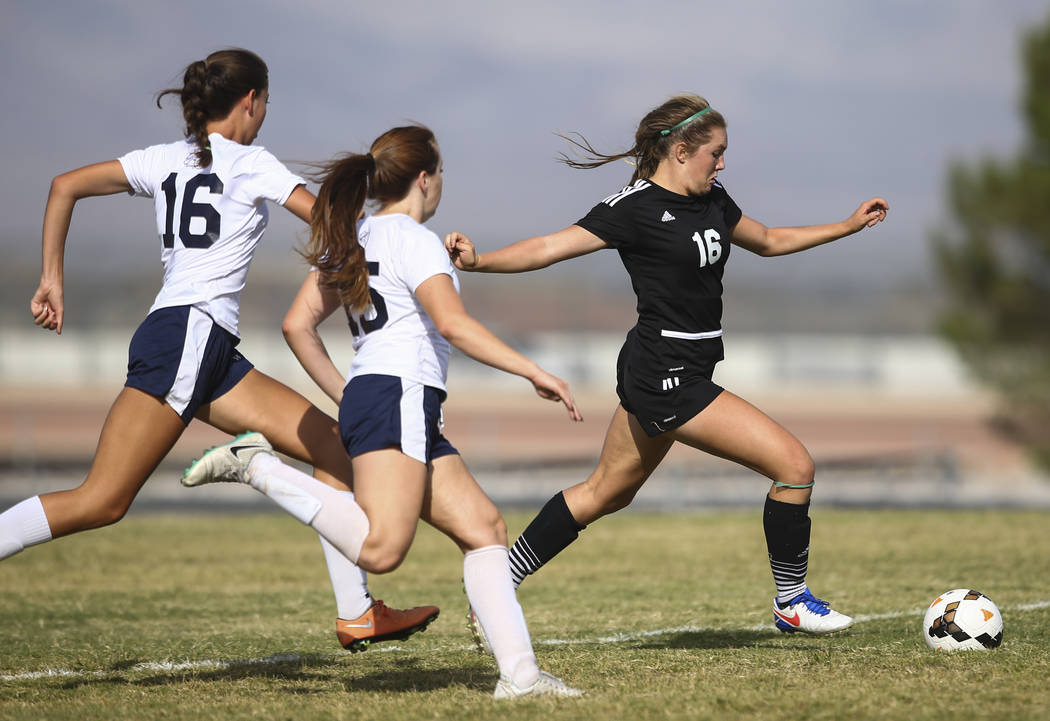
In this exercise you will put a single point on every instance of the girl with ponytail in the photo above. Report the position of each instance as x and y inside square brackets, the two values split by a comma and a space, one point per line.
[673, 226]
[399, 290]
[210, 193]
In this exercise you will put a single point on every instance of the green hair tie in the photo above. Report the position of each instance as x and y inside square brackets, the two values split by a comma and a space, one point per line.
[690, 119]
[778, 484]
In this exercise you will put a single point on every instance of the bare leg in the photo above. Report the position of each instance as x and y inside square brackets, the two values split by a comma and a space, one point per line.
[379, 477]
[139, 431]
[733, 429]
[457, 506]
[291, 423]
[628, 458]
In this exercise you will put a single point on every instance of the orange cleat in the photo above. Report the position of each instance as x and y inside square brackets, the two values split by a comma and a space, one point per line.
[382, 623]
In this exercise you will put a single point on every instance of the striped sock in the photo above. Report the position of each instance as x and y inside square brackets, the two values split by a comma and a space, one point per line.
[547, 535]
[787, 527]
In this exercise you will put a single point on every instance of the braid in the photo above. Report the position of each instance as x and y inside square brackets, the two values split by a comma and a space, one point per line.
[210, 90]
[194, 109]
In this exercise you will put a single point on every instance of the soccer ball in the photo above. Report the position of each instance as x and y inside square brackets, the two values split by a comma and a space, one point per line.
[962, 619]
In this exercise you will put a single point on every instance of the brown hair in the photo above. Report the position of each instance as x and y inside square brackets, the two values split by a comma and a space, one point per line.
[385, 175]
[210, 89]
[650, 144]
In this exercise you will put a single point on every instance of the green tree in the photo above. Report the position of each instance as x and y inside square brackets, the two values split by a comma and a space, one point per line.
[996, 263]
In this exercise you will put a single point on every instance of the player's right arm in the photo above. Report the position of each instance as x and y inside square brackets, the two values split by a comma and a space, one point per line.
[311, 306]
[47, 304]
[530, 254]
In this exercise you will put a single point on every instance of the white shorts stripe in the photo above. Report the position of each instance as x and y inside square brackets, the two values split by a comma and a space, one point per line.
[704, 335]
[413, 421]
[198, 330]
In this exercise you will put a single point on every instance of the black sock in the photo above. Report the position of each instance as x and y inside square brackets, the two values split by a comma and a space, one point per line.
[787, 528]
[547, 535]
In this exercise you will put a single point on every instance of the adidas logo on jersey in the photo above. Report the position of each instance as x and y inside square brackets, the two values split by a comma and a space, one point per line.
[667, 217]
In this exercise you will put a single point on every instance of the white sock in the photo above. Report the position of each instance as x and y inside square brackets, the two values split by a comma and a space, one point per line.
[349, 582]
[486, 577]
[333, 514]
[23, 524]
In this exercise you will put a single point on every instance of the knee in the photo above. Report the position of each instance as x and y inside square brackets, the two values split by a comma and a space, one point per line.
[797, 475]
[495, 530]
[798, 468]
[380, 560]
[488, 531]
[384, 550]
[606, 497]
[99, 513]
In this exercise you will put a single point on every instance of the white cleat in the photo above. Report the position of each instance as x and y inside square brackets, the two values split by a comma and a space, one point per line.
[481, 641]
[228, 462]
[545, 685]
[809, 614]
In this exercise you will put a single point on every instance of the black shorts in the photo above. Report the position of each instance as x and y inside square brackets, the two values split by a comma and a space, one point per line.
[664, 398]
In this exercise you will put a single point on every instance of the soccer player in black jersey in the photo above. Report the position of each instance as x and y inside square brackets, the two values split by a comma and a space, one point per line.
[673, 227]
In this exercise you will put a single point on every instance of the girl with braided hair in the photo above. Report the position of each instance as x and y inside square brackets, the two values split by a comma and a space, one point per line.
[674, 226]
[210, 192]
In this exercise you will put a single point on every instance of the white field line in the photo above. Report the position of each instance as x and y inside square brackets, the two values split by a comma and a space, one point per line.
[155, 666]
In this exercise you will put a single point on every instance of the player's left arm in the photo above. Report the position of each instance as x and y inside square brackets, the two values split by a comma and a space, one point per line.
[756, 237]
[300, 202]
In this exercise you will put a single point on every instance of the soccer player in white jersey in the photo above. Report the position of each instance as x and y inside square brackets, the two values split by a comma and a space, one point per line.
[210, 192]
[401, 296]
[673, 227]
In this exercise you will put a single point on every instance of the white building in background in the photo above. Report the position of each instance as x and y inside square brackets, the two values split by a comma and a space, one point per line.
[922, 367]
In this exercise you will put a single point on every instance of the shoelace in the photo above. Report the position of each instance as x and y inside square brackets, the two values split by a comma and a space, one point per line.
[816, 605]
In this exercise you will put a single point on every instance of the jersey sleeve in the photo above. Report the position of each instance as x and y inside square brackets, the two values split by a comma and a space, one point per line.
[611, 223]
[269, 179]
[143, 169]
[424, 257]
[731, 213]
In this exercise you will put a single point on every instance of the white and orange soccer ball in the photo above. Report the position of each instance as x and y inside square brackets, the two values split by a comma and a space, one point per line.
[962, 619]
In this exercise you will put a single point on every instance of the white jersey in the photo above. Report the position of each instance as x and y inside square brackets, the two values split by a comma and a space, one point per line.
[210, 219]
[395, 336]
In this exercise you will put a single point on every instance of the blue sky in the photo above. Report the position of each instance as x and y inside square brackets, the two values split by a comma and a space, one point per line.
[828, 104]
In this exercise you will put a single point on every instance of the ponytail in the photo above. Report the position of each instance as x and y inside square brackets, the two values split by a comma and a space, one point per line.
[683, 118]
[384, 175]
[333, 247]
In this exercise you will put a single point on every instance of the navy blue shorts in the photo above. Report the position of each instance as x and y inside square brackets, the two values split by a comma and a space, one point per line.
[379, 411]
[181, 355]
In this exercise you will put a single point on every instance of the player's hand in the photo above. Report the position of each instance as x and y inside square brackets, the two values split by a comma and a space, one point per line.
[461, 251]
[555, 389]
[869, 213]
[48, 307]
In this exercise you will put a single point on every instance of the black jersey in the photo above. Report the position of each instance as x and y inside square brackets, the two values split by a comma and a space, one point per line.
[674, 248]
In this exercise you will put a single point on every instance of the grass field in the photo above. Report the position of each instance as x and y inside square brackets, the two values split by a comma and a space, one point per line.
[656, 616]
